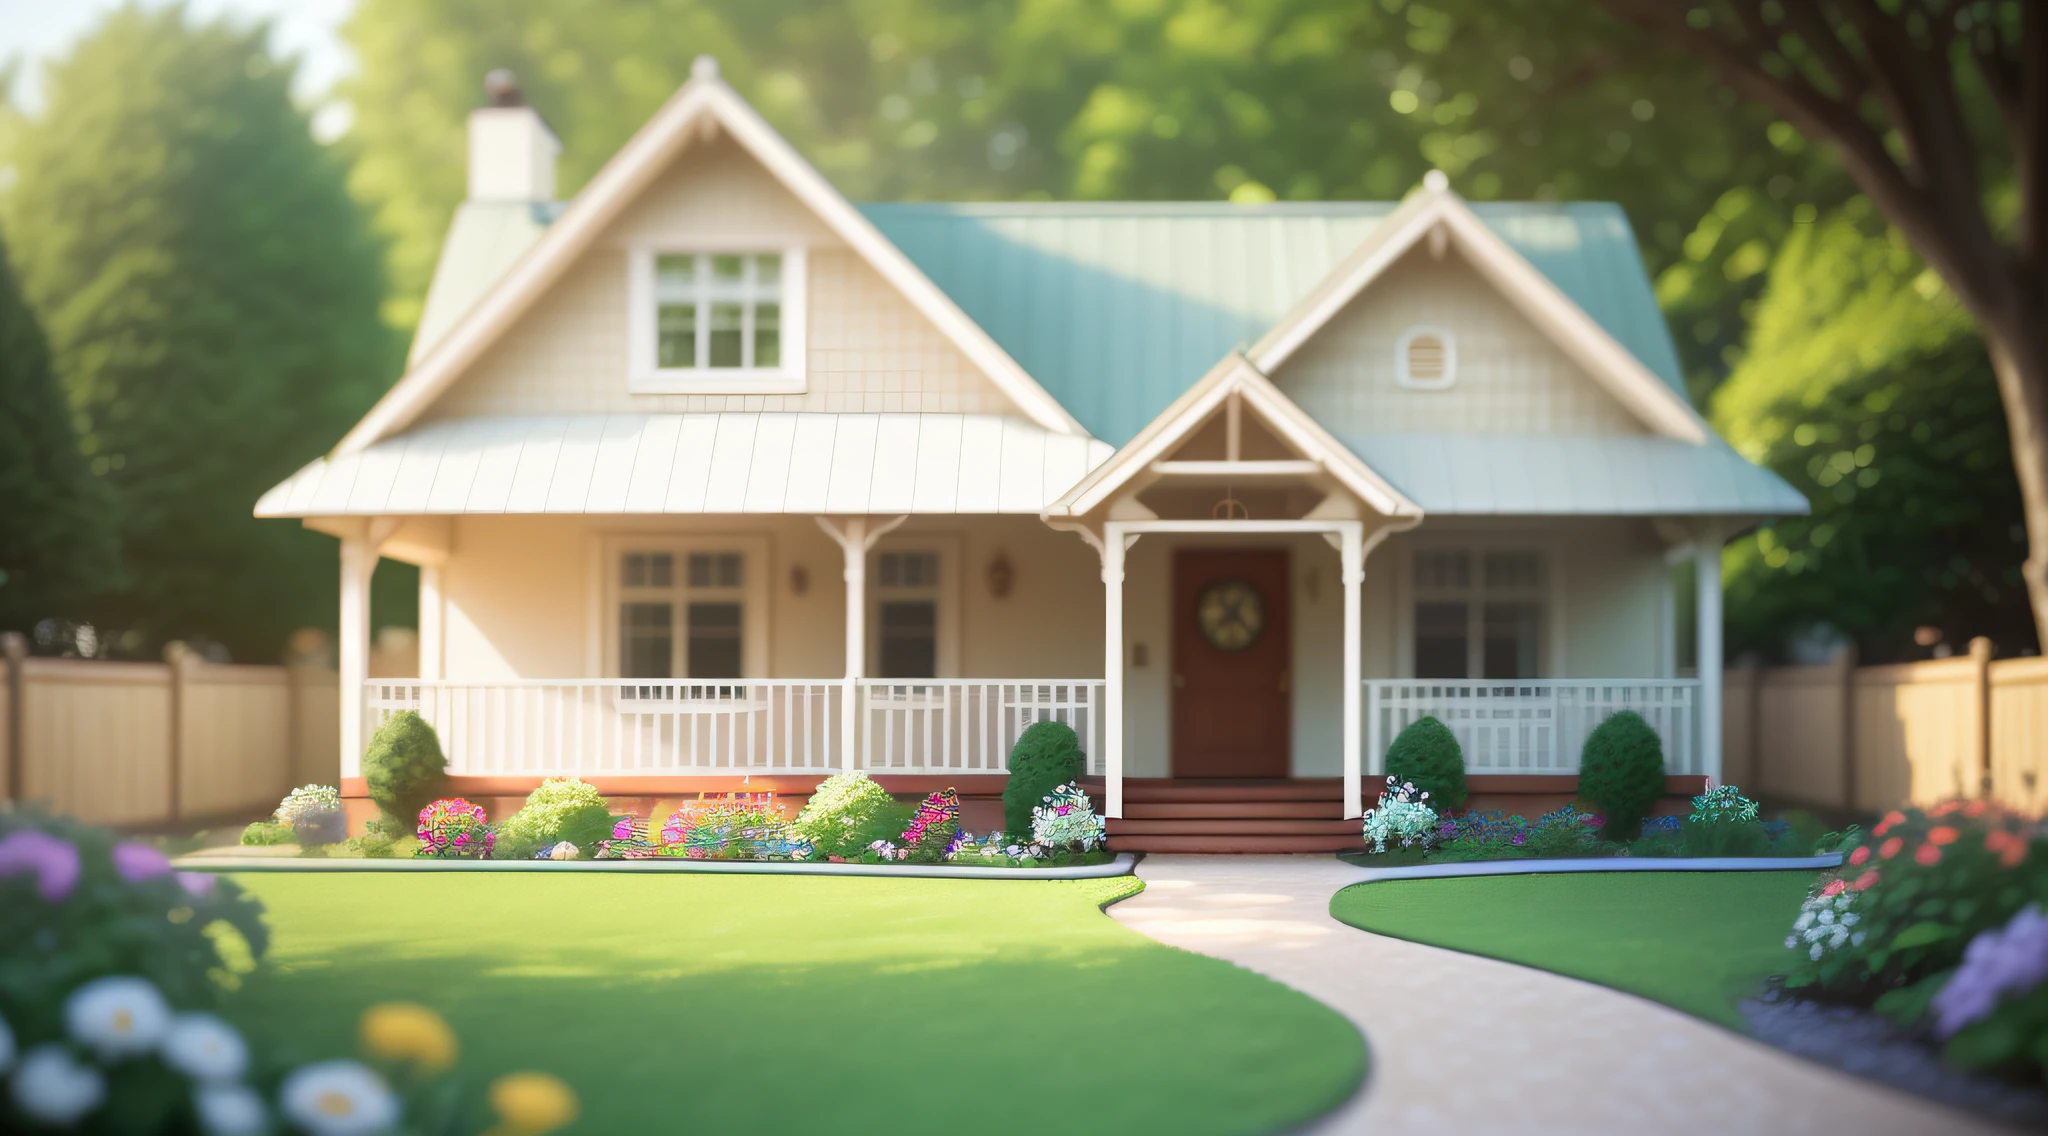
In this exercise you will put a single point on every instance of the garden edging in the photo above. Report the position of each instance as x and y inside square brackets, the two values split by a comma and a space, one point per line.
[1617, 864]
[1120, 866]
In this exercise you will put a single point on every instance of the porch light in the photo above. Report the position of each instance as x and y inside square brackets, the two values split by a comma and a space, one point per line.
[1000, 575]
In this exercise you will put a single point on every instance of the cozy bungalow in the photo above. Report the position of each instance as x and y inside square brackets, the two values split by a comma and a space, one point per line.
[712, 475]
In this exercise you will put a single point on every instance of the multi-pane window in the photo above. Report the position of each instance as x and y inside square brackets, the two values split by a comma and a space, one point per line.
[681, 624]
[1478, 614]
[907, 631]
[718, 311]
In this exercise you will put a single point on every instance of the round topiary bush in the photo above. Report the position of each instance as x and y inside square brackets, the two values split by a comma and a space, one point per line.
[1426, 754]
[538, 823]
[404, 769]
[848, 812]
[1621, 773]
[1047, 755]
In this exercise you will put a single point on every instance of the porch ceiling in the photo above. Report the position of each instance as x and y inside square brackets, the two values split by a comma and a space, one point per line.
[698, 463]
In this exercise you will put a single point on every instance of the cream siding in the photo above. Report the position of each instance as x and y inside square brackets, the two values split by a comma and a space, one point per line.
[868, 349]
[1510, 379]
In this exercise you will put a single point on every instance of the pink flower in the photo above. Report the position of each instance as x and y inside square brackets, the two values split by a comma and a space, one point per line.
[1834, 888]
[1927, 856]
[54, 862]
[139, 862]
[199, 885]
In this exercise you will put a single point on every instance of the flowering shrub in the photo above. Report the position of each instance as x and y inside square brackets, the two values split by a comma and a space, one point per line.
[452, 828]
[1402, 814]
[737, 826]
[313, 813]
[1066, 820]
[847, 814]
[1825, 922]
[554, 808]
[1928, 883]
[628, 841]
[932, 828]
[1994, 1011]
[1563, 833]
[1724, 823]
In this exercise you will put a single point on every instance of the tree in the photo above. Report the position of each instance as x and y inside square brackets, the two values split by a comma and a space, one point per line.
[56, 539]
[1867, 386]
[1926, 101]
[210, 292]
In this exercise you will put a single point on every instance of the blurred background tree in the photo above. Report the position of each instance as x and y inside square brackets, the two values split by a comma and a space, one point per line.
[210, 294]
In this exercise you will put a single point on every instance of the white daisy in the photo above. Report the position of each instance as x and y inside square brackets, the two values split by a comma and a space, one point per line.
[205, 1048]
[338, 1098]
[51, 1087]
[230, 1110]
[117, 1017]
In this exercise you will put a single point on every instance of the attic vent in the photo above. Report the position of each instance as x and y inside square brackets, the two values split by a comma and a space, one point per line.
[1426, 359]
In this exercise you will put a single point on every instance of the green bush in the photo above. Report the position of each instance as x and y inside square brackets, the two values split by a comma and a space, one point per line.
[266, 833]
[539, 822]
[1047, 755]
[1426, 754]
[404, 769]
[848, 812]
[1621, 773]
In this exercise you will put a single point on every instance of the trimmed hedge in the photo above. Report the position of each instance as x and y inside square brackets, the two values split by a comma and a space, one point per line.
[1621, 773]
[541, 821]
[1047, 755]
[848, 812]
[404, 769]
[1427, 754]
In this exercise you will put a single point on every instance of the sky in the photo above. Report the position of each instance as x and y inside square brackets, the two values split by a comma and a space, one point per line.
[37, 30]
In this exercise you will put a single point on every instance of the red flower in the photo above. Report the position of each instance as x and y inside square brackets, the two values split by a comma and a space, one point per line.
[1927, 855]
[1861, 854]
[2011, 849]
[1974, 809]
[1943, 835]
[1890, 848]
[1865, 881]
[1890, 819]
[1834, 888]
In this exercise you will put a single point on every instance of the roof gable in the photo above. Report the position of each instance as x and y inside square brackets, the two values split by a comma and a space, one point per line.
[703, 104]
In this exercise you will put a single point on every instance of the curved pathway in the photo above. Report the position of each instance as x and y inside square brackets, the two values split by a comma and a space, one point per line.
[1466, 1044]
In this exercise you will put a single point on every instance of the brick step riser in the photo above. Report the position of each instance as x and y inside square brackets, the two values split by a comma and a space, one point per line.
[1233, 810]
[1273, 826]
[1266, 844]
[1184, 793]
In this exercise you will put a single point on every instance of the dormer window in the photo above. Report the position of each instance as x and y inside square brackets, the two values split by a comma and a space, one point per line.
[1426, 358]
[717, 322]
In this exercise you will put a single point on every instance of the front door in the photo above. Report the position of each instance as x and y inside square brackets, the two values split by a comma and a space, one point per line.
[1231, 651]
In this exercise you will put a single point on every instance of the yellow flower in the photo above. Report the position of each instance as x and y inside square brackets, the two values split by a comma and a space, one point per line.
[532, 1103]
[407, 1031]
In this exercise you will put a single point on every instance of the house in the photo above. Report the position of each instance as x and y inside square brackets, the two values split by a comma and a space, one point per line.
[716, 478]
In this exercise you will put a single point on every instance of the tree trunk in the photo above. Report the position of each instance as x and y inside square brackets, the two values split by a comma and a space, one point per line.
[2018, 341]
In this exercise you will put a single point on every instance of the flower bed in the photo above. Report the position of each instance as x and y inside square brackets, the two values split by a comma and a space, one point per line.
[1405, 830]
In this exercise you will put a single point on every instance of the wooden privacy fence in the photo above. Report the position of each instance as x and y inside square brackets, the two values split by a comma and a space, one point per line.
[1870, 738]
[153, 743]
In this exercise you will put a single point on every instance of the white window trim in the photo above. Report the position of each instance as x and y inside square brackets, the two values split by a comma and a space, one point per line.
[754, 588]
[1550, 654]
[1443, 335]
[948, 548]
[645, 376]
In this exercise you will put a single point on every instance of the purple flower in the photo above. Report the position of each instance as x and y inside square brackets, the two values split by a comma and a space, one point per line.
[54, 862]
[139, 862]
[2010, 960]
[199, 885]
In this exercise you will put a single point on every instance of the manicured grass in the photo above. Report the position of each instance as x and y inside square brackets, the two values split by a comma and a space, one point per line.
[1697, 941]
[726, 1004]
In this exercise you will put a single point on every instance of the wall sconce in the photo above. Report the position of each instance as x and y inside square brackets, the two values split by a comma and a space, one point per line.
[799, 579]
[1000, 576]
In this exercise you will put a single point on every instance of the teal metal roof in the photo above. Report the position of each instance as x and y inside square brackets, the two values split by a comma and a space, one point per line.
[1117, 308]
[484, 241]
[1560, 475]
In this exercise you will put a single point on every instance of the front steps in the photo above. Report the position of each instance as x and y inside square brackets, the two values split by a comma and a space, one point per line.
[1234, 816]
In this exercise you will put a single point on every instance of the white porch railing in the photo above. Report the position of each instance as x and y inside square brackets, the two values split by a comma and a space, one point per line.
[611, 727]
[1531, 725]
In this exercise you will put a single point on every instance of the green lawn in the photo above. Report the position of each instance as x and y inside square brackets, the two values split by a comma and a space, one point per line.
[1696, 941]
[681, 1003]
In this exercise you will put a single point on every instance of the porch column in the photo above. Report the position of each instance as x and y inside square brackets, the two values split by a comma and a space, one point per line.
[1352, 552]
[1113, 669]
[430, 622]
[1707, 563]
[855, 545]
[358, 560]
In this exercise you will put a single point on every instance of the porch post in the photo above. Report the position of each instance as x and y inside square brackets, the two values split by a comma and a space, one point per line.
[1113, 668]
[1352, 552]
[358, 560]
[1707, 563]
[430, 622]
[855, 545]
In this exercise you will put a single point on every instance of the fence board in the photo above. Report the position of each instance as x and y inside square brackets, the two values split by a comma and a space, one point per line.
[2019, 733]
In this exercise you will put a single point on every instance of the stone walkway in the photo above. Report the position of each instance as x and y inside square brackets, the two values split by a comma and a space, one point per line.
[1466, 1044]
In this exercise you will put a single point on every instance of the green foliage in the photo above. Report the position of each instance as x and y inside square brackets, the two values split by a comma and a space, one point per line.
[1426, 754]
[57, 548]
[584, 826]
[267, 833]
[210, 293]
[404, 770]
[1724, 823]
[848, 812]
[1046, 756]
[541, 821]
[1867, 387]
[1621, 773]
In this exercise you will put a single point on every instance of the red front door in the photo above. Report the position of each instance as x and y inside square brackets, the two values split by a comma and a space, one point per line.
[1231, 651]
